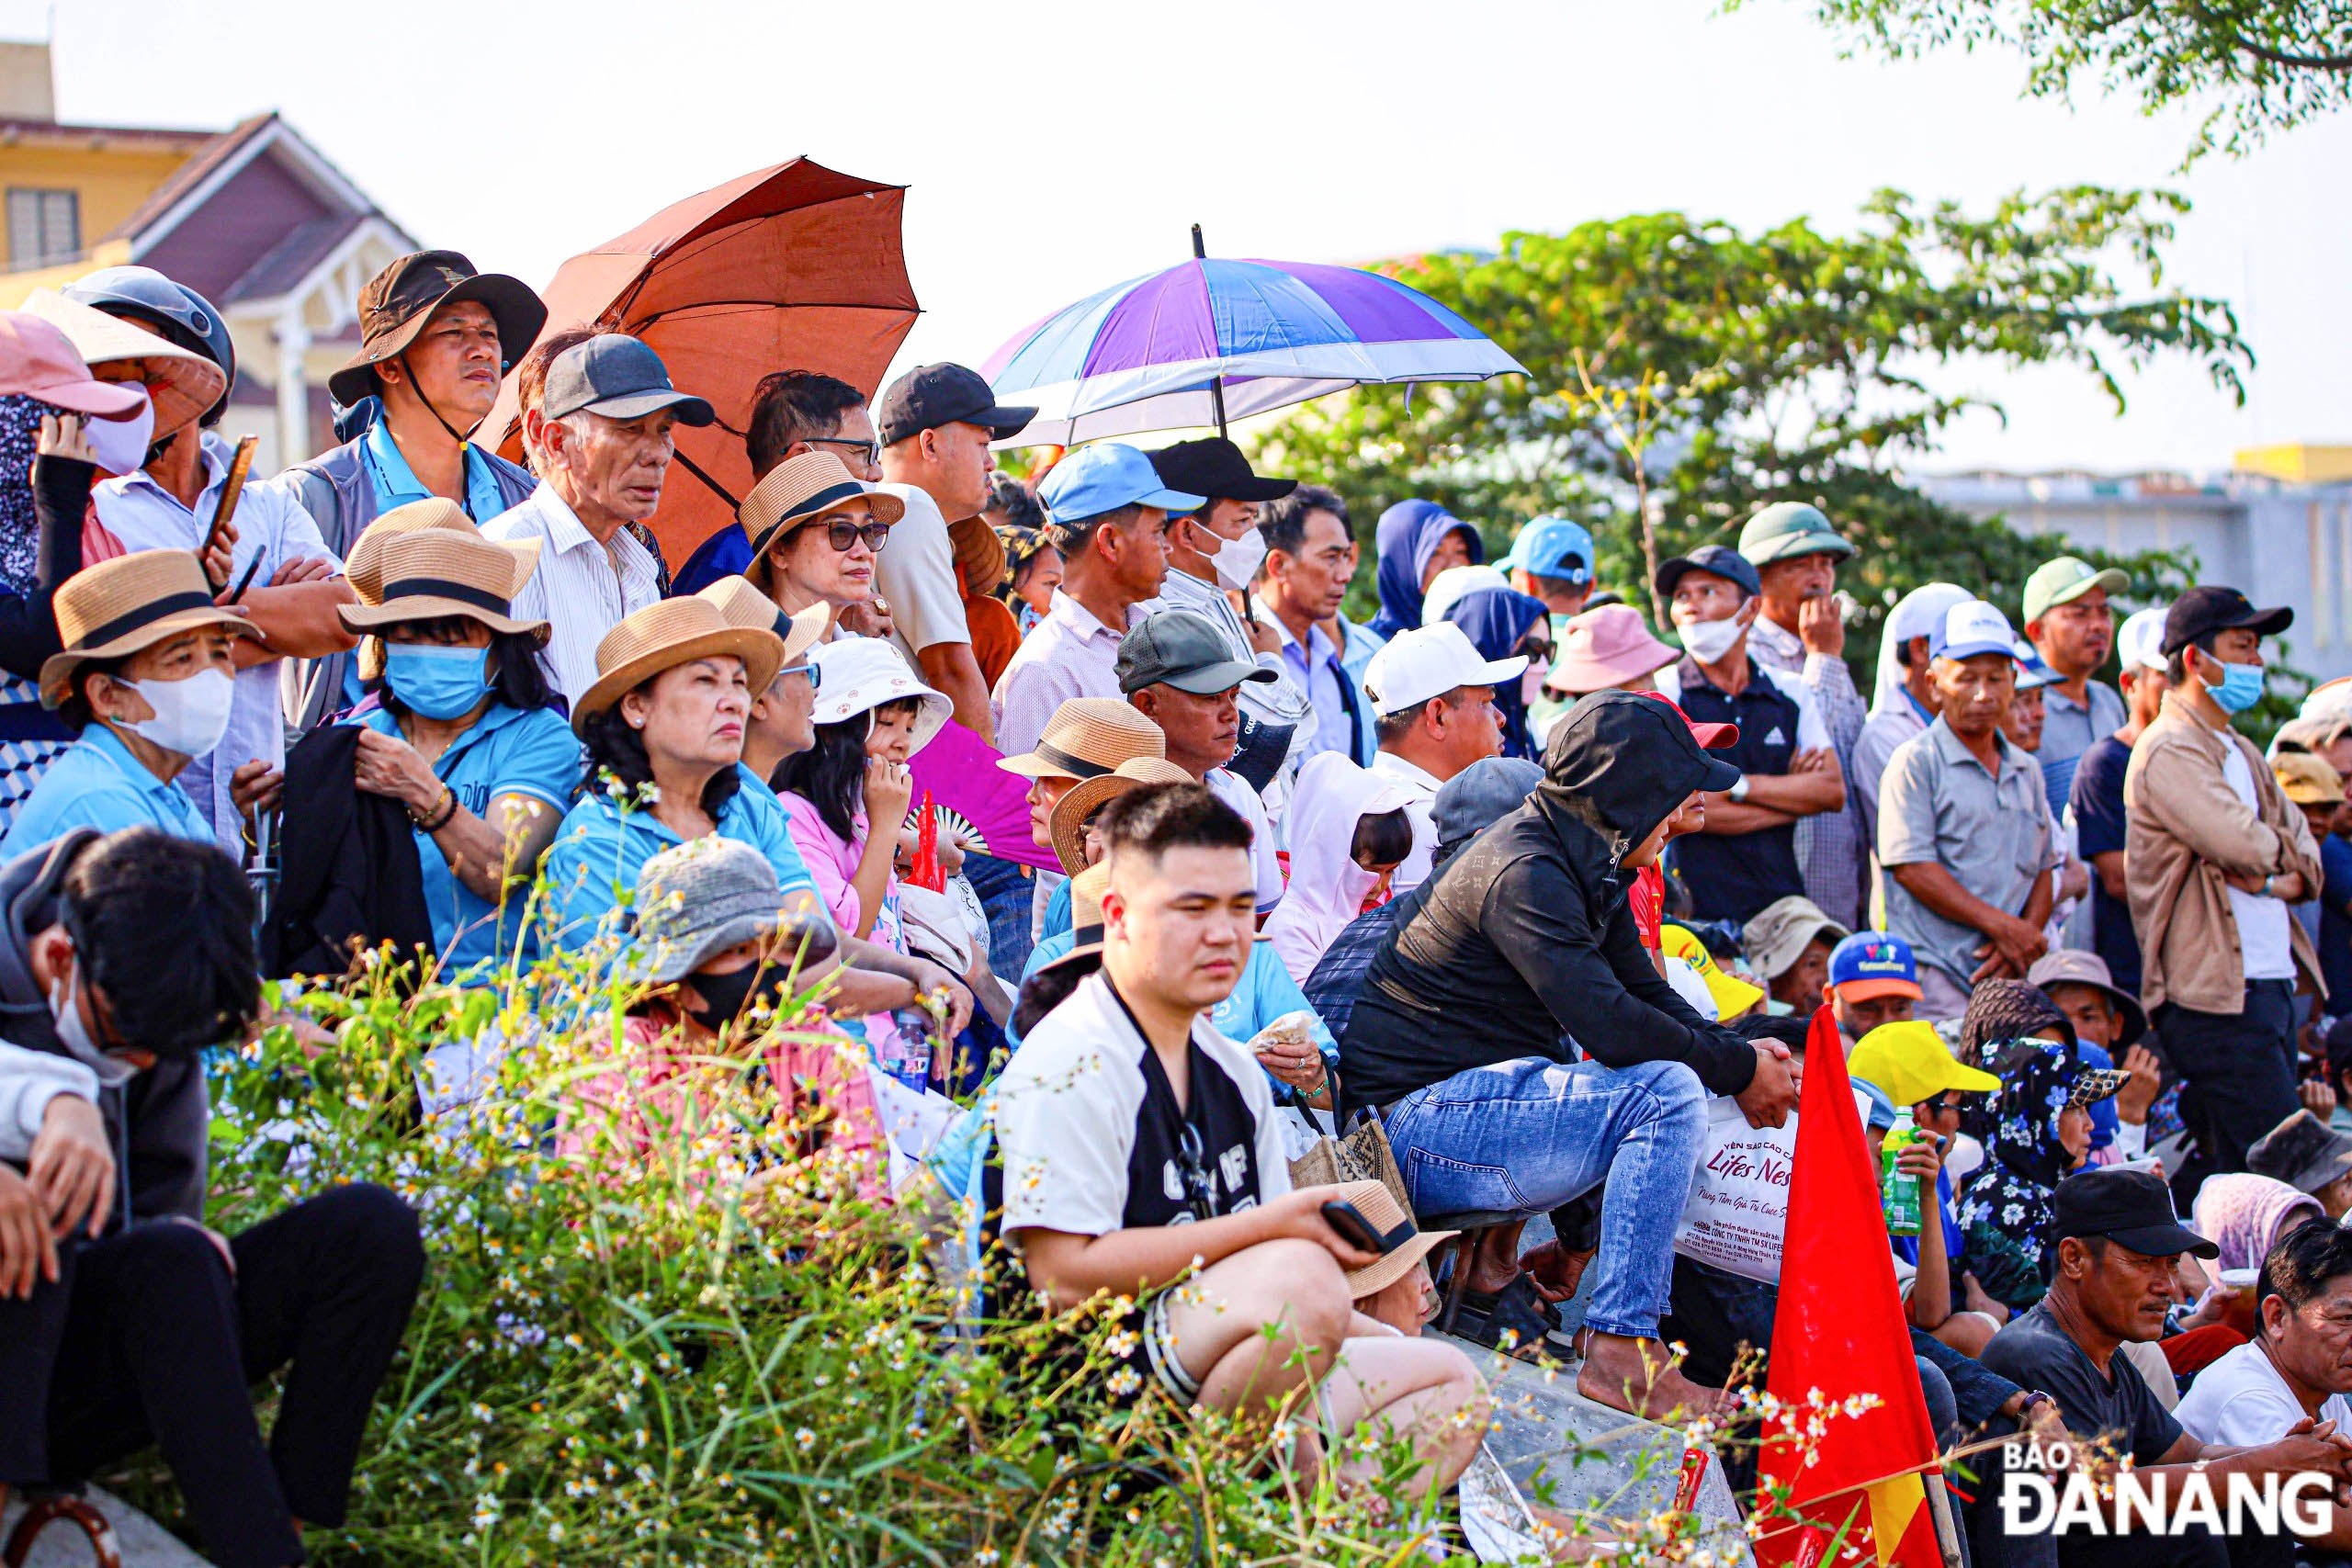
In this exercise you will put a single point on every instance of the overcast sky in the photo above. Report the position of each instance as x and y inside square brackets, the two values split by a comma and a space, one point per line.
[1053, 148]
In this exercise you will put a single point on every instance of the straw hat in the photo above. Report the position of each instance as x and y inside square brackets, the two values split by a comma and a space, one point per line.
[428, 574]
[858, 674]
[1086, 890]
[1379, 1209]
[364, 569]
[182, 383]
[120, 606]
[665, 635]
[1087, 737]
[744, 605]
[808, 486]
[1067, 826]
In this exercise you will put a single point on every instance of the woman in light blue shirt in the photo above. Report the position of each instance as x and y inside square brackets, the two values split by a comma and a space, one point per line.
[464, 734]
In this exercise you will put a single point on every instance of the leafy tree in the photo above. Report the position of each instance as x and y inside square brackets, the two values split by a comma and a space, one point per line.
[1748, 369]
[2266, 64]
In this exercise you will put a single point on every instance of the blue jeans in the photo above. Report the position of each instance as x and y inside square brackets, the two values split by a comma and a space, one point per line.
[1528, 1136]
[1005, 893]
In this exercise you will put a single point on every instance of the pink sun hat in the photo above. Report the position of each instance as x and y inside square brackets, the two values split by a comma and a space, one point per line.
[37, 361]
[1605, 647]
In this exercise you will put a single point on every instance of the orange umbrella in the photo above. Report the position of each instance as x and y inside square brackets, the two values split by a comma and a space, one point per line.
[788, 267]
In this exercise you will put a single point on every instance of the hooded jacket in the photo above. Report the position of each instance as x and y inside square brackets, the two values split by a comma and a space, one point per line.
[1523, 943]
[1407, 537]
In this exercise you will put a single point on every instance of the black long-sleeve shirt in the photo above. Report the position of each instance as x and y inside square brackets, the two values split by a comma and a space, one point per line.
[28, 621]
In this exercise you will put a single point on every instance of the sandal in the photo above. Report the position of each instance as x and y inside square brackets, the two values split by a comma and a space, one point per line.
[1517, 1310]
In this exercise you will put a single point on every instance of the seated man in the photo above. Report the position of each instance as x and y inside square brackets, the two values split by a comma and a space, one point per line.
[2117, 1245]
[1873, 980]
[122, 959]
[1126, 1077]
[1788, 944]
[1461, 1037]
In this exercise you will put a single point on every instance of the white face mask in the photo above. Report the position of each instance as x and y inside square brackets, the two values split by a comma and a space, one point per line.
[119, 446]
[1708, 641]
[1236, 562]
[74, 1035]
[1530, 685]
[191, 716]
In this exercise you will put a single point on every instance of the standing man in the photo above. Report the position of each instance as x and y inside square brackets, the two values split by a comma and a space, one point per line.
[792, 412]
[1433, 696]
[1800, 632]
[1963, 826]
[1746, 856]
[1310, 558]
[936, 423]
[1110, 521]
[2215, 853]
[1906, 700]
[1550, 560]
[2096, 795]
[1180, 673]
[2067, 621]
[603, 425]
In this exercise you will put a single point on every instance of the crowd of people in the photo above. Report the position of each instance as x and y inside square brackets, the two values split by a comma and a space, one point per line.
[1543, 901]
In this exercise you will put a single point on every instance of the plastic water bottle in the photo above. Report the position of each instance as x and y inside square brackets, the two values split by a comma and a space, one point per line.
[1899, 1193]
[911, 1065]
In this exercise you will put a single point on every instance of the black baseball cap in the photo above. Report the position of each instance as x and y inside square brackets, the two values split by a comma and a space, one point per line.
[932, 395]
[2129, 1208]
[1214, 467]
[1721, 559]
[617, 377]
[2203, 610]
[1179, 648]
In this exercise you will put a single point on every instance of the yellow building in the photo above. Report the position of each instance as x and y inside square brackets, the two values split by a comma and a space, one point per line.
[253, 217]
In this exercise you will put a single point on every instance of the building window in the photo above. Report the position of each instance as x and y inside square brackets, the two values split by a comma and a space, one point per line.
[44, 227]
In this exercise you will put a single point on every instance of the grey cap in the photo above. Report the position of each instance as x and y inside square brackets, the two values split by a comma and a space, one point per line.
[619, 377]
[1179, 648]
[1481, 795]
[701, 898]
[2303, 1152]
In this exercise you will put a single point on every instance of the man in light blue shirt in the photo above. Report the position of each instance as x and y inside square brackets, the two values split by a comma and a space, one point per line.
[1310, 555]
[144, 678]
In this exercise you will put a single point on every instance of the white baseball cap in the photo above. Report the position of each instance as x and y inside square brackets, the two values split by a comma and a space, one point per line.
[1970, 629]
[1921, 611]
[2139, 641]
[1429, 661]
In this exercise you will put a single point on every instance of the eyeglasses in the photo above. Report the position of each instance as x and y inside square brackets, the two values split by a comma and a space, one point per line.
[815, 673]
[1949, 1104]
[841, 535]
[869, 450]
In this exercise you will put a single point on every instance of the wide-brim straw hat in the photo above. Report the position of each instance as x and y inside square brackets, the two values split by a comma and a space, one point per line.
[805, 487]
[1067, 825]
[705, 896]
[1087, 737]
[859, 675]
[432, 574]
[120, 606]
[364, 566]
[1086, 890]
[665, 635]
[744, 605]
[1384, 1213]
[182, 383]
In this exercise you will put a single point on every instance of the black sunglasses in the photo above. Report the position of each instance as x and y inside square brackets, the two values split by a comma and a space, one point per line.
[841, 535]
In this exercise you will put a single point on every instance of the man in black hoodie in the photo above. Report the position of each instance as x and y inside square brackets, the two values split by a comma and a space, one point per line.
[123, 958]
[1466, 1035]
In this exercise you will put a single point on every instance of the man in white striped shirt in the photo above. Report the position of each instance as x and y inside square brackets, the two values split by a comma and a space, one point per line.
[604, 429]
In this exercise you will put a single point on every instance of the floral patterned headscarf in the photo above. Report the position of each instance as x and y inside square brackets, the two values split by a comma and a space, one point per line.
[2024, 1159]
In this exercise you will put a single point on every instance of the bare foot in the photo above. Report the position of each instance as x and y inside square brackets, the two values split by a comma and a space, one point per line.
[1638, 1377]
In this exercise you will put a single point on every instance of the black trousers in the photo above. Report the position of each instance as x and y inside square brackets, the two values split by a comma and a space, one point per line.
[2240, 1067]
[154, 1343]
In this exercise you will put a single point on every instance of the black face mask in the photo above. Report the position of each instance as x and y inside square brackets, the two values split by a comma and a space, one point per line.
[729, 997]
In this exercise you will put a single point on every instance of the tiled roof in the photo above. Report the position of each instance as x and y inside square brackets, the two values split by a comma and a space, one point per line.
[190, 175]
[305, 246]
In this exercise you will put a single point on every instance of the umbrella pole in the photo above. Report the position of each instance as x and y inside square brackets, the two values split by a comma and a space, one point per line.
[1216, 383]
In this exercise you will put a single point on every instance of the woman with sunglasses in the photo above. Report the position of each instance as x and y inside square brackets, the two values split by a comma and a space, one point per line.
[816, 529]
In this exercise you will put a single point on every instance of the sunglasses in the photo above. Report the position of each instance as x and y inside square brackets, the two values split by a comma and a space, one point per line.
[869, 450]
[841, 535]
[815, 673]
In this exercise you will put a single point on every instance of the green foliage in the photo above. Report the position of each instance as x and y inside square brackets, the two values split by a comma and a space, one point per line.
[1708, 371]
[2264, 65]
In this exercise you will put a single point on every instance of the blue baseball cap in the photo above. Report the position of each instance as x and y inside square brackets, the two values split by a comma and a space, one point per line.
[1970, 629]
[2033, 670]
[1551, 547]
[1882, 1114]
[1873, 963]
[1104, 478]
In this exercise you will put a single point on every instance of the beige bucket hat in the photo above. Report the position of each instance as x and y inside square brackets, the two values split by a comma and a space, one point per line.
[665, 635]
[1087, 737]
[120, 606]
[428, 574]
[744, 605]
[1067, 825]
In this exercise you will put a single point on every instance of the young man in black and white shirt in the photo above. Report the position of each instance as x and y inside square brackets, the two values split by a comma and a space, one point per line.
[1139, 1146]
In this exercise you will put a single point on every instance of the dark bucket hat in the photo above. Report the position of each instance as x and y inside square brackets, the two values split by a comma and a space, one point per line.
[399, 300]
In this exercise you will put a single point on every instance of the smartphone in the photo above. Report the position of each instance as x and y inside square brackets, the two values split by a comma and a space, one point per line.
[1345, 1218]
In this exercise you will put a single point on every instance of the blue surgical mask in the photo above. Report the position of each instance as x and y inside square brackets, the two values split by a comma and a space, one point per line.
[439, 682]
[2241, 687]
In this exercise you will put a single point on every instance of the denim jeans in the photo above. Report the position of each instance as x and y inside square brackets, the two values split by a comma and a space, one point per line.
[1528, 1136]
[1005, 893]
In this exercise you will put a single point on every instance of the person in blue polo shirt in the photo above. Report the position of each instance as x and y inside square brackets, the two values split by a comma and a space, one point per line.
[1873, 981]
[145, 679]
[464, 734]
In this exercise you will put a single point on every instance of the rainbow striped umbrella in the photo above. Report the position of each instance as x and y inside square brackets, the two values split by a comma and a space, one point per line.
[1216, 339]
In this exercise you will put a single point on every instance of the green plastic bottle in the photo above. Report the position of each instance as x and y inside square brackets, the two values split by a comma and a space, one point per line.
[1898, 1193]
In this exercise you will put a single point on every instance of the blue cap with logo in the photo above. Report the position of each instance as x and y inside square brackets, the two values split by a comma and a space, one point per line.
[1551, 547]
[1104, 478]
[1873, 963]
[1970, 629]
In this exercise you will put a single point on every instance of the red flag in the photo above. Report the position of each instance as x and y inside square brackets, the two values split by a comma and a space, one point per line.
[1837, 1332]
[925, 872]
[976, 799]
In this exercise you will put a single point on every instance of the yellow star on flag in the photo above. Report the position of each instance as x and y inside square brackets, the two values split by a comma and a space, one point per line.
[1894, 1504]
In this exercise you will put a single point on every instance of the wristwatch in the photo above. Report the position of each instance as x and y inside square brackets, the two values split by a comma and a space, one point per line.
[1738, 791]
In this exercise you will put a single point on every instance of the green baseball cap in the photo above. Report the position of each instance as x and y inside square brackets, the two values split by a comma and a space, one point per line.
[2064, 580]
[1790, 528]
